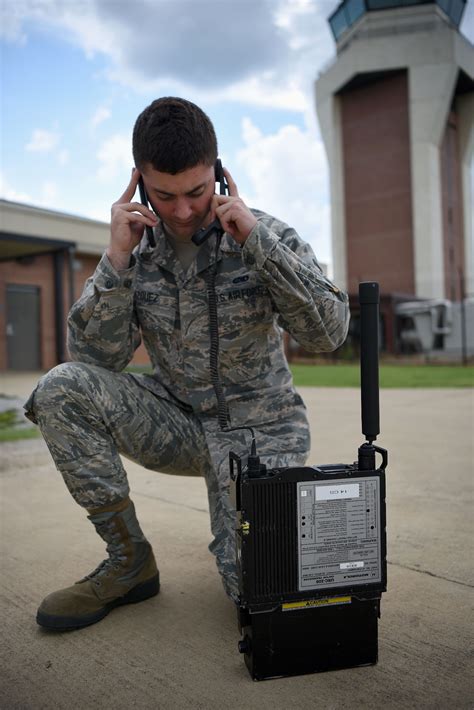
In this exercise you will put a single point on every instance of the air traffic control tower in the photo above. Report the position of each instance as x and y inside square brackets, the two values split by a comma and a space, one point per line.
[396, 110]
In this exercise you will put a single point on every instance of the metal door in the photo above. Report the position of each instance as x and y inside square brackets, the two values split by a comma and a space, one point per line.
[23, 327]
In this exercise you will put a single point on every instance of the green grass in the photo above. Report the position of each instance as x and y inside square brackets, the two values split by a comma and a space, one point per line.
[317, 375]
[12, 428]
[394, 376]
[17, 434]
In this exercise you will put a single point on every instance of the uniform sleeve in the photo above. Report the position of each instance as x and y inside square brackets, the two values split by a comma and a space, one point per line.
[102, 326]
[311, 308]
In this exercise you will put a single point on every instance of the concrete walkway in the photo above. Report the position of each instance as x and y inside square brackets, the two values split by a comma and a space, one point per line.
[179, 650]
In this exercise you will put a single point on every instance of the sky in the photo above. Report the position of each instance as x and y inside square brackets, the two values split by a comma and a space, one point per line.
[76, 73]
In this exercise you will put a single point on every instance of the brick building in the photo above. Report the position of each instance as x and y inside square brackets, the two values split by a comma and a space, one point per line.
[45, 257]
[396, 110]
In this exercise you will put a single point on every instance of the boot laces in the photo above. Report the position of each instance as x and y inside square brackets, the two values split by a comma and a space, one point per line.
[114, 547]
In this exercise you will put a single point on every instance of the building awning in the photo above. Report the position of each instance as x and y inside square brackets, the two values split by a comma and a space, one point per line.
[27, 230]
[15, 246]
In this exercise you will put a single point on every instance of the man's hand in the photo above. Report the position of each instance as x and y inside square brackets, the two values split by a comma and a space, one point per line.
[127, 225]
[233, 214]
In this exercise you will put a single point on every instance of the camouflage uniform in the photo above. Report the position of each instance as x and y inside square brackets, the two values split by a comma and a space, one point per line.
[89, 411]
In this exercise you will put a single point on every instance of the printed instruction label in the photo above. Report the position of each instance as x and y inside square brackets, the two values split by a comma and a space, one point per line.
[339, 533]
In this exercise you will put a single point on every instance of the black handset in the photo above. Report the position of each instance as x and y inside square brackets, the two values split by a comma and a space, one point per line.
[215, 227]
[144, 200]
[145, 203]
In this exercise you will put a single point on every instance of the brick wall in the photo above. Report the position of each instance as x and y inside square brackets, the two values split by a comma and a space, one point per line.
[39, 271]
[36, 271]
[377, 184]
[451, 200]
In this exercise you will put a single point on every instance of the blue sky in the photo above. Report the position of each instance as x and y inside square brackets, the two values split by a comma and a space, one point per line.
[76, 73]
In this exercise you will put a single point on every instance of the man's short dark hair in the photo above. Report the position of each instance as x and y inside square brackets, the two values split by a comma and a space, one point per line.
[172, 135]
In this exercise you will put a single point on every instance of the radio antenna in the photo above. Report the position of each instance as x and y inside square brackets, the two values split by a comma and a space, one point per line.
[369, 373]
[369, 358]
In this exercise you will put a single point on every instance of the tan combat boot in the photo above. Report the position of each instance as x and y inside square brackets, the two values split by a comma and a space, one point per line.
[129, 575]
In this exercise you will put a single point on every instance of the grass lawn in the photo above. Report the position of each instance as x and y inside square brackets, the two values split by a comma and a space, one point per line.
[12, 428]
[317, 375]
[19, 433]
[344, 375]
[347, 375]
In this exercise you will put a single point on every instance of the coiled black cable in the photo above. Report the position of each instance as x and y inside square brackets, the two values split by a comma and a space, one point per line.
[222, 409]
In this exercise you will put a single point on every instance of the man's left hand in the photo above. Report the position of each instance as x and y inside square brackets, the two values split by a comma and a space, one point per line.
[233, 214]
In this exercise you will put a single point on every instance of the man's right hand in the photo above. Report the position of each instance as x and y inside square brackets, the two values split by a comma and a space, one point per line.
[127, 225]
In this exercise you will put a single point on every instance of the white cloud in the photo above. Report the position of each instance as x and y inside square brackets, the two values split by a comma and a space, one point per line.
[289, 176]
[47, 196]
[266, 91]
[100, 212]
[101, 115]
[265, 53]
[261, 53]
[11, 19]
[7, 192]
[115, 156]
[42, 141]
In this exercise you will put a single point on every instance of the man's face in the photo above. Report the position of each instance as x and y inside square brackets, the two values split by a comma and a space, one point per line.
[182, 201]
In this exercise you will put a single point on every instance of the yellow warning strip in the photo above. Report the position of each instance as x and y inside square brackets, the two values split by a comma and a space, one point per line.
[308, 603]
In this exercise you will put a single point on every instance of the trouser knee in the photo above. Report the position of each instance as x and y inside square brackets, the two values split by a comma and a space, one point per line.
[66, 407]
[60, 384]
[66, 385]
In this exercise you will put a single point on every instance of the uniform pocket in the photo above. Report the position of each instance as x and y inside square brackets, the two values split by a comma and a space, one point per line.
[246, 326]
[244, 308]
[156, 312]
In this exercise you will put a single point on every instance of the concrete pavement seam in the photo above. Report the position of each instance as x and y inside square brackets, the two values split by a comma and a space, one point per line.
[431, 574]
[170, 502]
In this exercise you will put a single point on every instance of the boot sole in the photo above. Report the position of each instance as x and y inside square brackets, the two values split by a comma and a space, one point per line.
[143, 591]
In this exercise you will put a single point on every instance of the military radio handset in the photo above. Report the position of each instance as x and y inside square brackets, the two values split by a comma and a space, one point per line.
[144, 201]
[215, 227]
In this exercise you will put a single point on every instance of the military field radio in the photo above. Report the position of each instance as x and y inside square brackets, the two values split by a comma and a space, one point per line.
[311, 546]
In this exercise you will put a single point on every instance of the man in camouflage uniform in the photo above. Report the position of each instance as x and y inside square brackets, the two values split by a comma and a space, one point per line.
[90, 411]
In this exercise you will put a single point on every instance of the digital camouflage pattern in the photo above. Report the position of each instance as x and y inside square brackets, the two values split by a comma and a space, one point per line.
[89, 411]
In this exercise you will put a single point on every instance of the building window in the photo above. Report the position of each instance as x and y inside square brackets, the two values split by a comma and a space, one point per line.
[355, 9]
[339, 23]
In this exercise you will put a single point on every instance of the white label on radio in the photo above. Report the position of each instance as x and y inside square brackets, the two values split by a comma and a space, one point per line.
[351, 490]
[351, 565]
[339, 533]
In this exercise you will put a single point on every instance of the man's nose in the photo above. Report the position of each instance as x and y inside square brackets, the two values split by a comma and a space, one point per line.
[182, 210]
